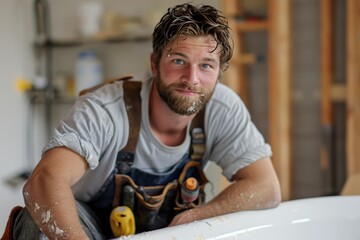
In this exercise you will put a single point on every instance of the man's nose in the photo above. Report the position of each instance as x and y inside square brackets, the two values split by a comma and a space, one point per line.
[191, 75]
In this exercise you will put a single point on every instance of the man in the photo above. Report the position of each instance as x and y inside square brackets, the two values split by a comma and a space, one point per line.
[75, 177]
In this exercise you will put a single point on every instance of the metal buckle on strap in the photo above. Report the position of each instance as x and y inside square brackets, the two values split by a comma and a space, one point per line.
[198, 143]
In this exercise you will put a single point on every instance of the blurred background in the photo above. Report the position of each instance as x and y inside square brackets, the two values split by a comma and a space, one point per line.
[294, 65]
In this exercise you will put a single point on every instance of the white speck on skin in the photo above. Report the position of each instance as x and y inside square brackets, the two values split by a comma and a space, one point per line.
[26, 194]
[46, 216]
[238, 206]
[58, 231]
[37, 207]
[250, 197]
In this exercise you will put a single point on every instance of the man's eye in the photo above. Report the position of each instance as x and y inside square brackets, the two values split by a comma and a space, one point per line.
[178, 61]
[205, 66]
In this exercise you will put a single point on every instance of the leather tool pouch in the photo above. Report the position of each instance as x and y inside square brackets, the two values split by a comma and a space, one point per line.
[155, 206]
[191, 169]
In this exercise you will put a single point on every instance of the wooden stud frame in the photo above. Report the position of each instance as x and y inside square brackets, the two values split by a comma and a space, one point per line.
[279, 91]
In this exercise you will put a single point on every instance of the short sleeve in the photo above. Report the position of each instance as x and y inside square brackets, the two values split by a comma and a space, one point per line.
[86, 130]
[235, 142]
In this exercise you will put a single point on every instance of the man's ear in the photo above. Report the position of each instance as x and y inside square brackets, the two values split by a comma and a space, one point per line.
[153, 65]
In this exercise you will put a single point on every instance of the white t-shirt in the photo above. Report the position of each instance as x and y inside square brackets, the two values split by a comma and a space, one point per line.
[97, 128]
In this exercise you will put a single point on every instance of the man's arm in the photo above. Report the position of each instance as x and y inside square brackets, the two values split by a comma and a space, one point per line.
[254, 187]
[48, 196]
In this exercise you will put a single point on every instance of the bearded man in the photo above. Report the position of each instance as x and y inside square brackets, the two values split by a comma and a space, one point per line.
[86, 169]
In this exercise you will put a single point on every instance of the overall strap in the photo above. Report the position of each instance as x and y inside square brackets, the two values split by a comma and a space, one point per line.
[133, 107]
[197, 148]
[91, 89]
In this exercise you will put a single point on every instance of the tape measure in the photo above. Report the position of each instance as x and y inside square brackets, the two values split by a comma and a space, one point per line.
[122, 221]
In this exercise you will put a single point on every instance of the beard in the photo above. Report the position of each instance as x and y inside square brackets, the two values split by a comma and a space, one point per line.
[183, 105]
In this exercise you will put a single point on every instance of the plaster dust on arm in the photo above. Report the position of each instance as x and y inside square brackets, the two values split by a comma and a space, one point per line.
[48, 196]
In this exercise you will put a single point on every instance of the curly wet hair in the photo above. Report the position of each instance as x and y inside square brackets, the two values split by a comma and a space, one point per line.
[189, 20]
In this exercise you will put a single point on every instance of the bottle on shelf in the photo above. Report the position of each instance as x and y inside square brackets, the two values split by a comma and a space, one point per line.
[88, 70]
[90, 16]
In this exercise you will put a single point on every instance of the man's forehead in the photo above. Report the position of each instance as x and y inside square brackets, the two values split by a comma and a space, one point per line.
[202, 42]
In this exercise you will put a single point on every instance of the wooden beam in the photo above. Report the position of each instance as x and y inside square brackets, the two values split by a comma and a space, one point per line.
[235, 77]
[338, 92]
[327, 60]
[327, 75]
[279, 91]
[353, 87]
[242, 71]
[230, 8]
[231, 76]
[352, 186]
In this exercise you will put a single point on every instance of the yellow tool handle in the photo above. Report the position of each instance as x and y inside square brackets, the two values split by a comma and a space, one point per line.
[122, 221]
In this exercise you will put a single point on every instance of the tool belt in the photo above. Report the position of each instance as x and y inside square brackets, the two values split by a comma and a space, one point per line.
[155, 206]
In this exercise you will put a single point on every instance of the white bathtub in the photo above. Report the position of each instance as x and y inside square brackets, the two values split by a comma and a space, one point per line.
[328, 218]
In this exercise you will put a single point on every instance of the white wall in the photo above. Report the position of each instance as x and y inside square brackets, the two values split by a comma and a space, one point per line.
[16, 59]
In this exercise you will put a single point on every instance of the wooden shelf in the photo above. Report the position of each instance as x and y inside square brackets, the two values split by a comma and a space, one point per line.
[249, 26]
[42, 96]
[73, 42]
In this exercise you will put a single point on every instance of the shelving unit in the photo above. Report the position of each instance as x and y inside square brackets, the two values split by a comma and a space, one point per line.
[279, 58]
[44, 45]
[49, 95]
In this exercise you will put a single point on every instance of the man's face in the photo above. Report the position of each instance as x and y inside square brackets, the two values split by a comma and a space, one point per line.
[187, 74]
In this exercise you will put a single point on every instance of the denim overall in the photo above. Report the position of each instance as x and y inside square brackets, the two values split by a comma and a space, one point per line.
[102, 202]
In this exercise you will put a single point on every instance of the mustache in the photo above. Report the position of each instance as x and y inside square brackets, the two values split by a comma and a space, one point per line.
[186, 87]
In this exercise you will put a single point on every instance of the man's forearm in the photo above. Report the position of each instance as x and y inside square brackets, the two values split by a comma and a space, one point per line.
[53, 208]
[48, 196]
[238, 196]
[254, 187]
